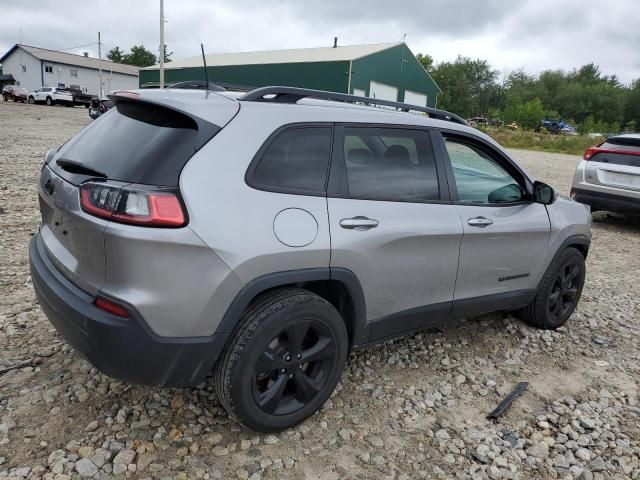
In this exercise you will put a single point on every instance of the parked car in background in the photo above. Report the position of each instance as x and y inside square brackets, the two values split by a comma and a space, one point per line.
[15, 93]
[293, 226]
[51, 96]
[556, 126]
[80, 95]
[99, 106]
[479, 121]
[608, 177]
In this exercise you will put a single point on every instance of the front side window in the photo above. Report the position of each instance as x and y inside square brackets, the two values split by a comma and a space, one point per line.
[480, 179]
[390, 164]
[296, 161]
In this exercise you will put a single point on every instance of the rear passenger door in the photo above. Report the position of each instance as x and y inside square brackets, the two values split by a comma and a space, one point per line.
[506, 234]
[392, 225]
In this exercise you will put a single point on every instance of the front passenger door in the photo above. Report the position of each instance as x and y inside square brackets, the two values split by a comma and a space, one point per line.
[506, 236]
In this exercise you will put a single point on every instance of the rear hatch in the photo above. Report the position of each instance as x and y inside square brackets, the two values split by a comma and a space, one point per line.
[138, 142]
[615, 163]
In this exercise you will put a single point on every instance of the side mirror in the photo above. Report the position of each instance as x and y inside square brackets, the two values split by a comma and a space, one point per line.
[544, 194]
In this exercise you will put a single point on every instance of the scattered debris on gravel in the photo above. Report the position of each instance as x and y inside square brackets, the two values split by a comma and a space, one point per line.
[412, 408]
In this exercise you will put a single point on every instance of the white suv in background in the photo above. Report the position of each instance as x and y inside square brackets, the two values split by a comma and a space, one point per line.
[608, 177]
[51, 96]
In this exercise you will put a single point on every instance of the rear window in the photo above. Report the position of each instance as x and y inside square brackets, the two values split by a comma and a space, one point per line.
[629, 148]
[138, 142]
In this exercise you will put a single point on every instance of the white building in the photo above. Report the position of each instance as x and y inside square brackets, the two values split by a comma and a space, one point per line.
[34, 67]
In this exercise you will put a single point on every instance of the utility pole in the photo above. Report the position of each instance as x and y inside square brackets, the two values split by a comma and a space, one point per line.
[99, 67]
[161, 44]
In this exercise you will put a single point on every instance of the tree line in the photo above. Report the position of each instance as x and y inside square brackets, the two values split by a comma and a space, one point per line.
[593, 101]
[138, 55]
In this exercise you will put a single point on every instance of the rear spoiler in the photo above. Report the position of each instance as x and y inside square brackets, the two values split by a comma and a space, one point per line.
[161, 114]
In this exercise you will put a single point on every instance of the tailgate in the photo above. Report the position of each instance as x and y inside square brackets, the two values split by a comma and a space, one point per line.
[74, 240]
[614, 170]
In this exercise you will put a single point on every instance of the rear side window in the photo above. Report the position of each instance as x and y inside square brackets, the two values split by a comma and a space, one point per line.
[138, 142]
[295, 161]
[389, 164]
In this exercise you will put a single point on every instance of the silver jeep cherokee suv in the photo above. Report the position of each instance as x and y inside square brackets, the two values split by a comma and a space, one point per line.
[263, 235]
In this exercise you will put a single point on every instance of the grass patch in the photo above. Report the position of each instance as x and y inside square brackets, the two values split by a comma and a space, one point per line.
[544, 142]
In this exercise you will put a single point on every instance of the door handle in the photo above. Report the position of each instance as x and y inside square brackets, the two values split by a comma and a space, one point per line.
[359, 223]
[480, 222]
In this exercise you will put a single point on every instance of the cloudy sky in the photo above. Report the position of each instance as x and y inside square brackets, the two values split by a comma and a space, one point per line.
[530, 34]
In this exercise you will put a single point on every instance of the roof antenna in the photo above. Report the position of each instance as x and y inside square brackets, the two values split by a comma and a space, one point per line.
[206, 75]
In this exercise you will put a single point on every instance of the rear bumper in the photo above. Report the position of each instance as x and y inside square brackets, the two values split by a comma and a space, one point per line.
[607, 201]
[121, 348]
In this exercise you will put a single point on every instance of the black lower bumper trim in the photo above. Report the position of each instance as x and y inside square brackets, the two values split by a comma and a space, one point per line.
[607, 201]
[125, 349]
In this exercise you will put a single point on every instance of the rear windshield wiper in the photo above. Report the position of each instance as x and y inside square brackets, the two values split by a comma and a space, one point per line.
[77, 167]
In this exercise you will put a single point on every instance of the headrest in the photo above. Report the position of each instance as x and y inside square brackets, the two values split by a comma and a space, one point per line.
[397, 153]
[359, 155]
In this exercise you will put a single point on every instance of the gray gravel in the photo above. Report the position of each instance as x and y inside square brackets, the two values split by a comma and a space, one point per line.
[413, 408]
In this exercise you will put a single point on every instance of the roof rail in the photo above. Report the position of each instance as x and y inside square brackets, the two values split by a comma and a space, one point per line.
[213, 86]
[294, 94]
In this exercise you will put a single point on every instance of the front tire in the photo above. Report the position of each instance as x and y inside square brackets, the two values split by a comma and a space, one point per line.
[559, 291]
[283, 361]
[31, 100]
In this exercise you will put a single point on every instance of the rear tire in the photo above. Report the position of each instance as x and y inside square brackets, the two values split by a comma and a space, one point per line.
[49, 101]
[559, 291]
[283, 361]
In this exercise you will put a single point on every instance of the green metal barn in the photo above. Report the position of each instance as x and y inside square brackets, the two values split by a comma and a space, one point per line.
[387, 71]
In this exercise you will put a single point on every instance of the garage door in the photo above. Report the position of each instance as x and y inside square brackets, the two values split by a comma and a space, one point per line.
[414, 98]
[383, 92]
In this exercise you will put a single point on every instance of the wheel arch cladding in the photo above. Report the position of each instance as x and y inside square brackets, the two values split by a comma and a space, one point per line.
[579, 242]
[338, 286]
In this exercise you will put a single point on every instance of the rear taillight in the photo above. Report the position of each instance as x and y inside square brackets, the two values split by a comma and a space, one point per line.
[148, 208]
[591, 151]
[111, 307]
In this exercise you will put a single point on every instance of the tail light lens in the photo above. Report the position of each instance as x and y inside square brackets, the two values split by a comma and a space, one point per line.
[149, 208]
[591, 151]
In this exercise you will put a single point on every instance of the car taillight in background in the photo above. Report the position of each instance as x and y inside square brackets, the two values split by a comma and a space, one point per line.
[591, 151]
[149, 208]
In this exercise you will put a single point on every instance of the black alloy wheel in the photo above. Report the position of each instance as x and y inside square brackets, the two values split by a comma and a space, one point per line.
[558, 292]
[283, 360]
[294, 367]
[564, 292]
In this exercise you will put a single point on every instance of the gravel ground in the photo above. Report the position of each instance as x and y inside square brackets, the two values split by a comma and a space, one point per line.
[413, 408]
